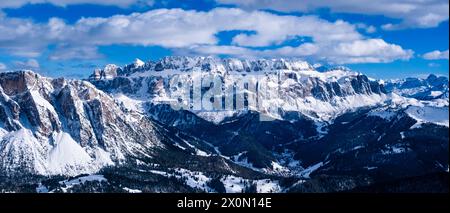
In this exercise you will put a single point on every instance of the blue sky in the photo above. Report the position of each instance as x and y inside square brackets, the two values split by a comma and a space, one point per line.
[392, 39]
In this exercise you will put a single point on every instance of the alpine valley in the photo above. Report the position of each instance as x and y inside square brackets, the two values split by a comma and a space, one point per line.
[333, 130]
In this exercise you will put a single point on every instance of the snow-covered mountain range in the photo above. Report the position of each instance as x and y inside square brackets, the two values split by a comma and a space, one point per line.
[58, 126]
[430, 88]
[324, 129]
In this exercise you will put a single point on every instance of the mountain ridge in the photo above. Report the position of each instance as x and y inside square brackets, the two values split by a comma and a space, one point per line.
[120, 122]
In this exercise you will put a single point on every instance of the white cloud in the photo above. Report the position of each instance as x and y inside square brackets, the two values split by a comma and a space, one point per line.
[76, 53]
[434, 65]
[358, 51]
[436, 55]
[21, 37]
[389, 26]
[413, 13]
[32, 64]
[369, 51]
[272, 29]
[366, 28]
[176, 28]
[216, 50]
[120, 3]
[193, 31]
[2, 67]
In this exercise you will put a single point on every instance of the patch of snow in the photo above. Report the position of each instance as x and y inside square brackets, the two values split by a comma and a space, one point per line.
[216, 117]
[429, 114]
[58, 155]
[197, 151]
[179, 146]
[129, 103]
[390, 150]
[139, 162]
[398, 150]
[402, 134]
[102, 158]
[382, 113]
[370, 167]
[290, 166]
[267, 186]
[403, 102]
[201, 153]
[297, 183]
[42, 102]
[195, 179]
[233, 184]
[159, 172]
[243, 161]
[357, 147]
[381, 137]
[321, 128]
[132, 190]
[67, 184]
[21, 147]
[67, 156]
[277, 168]
[41, 188]
[305, 173]
[138, 63]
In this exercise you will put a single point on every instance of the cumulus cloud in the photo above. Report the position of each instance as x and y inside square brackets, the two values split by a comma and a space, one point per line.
[194, 31]
[436, 55]
[366, 28]
[32, 64]
[75, 53]
[358, 51]
[22, 37]
[2, 67]
[235, 51]
[413, 13]
[369, 51]
[120, 3]
[177, 28]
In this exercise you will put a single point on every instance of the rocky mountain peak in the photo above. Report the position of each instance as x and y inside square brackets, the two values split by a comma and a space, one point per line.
[109, 72]
[209, 64]
[138, 63]
[121, 124]
[14, 83]
[54, 113]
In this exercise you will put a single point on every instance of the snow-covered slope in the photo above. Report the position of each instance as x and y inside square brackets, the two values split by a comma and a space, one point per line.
[121, 123]
[68, 157]
[300, 97]
[429, 88]
[428, 114]
[57, 126]
[291, 85]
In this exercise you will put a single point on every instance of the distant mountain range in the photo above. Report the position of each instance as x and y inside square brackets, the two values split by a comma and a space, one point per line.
[432, 87]
[312, 129]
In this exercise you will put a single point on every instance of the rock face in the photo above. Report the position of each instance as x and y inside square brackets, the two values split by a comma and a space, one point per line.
[35, 108]
[307, 103]
[292, 85]
[109, 72]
